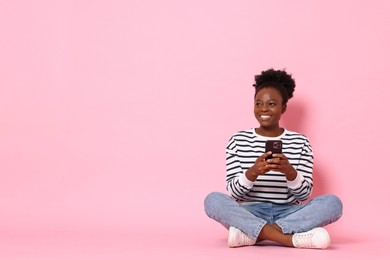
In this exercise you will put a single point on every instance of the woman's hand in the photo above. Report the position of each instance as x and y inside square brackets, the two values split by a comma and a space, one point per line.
[259, 168]
[280, 163]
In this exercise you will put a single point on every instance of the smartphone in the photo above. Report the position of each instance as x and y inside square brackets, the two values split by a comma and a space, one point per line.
[275, 146]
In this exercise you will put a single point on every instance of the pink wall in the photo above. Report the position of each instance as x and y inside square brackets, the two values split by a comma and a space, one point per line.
[115, 114]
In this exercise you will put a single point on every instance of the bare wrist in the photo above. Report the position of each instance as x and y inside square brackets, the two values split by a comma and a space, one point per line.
[291, 174]
[251, 175]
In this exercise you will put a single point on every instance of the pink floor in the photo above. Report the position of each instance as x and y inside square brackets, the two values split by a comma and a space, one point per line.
[203, 242]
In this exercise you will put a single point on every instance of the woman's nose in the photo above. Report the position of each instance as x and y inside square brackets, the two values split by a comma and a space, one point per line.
[264, 108]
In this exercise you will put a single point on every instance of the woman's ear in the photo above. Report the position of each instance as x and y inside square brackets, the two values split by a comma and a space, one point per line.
[284, 108]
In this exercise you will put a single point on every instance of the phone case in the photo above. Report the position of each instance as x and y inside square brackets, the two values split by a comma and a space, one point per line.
[275, 146]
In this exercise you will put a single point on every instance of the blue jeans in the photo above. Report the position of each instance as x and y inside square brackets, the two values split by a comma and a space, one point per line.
[251, 218]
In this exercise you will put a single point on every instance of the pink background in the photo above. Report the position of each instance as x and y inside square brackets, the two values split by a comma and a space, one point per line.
[115, 116]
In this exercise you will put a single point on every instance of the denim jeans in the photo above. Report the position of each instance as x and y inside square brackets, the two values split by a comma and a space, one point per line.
[250, 218]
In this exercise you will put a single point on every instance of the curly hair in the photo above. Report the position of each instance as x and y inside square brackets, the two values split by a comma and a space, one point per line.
[278, 79]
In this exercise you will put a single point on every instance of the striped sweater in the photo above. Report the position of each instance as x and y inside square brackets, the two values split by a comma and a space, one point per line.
[242, 151]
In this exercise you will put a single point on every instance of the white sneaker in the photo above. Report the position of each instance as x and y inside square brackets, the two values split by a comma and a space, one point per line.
[315, 238]
[238, 238]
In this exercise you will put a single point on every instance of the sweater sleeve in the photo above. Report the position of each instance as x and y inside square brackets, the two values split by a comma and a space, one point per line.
[236, 182]
[302, 186]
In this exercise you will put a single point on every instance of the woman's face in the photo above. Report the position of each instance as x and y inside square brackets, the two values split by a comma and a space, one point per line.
[269, 108]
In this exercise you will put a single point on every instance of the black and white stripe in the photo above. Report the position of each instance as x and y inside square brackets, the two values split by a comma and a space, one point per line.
[241, 153]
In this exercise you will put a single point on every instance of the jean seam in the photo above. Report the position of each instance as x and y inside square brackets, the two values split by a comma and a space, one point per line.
[282, 226]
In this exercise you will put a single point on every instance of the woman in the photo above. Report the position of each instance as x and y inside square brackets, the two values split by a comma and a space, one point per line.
[266, 195]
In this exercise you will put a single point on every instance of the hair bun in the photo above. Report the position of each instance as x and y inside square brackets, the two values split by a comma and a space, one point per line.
[275, 78]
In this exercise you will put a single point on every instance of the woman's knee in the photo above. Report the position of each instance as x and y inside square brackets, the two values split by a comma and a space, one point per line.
[333, 203]
[213, 201]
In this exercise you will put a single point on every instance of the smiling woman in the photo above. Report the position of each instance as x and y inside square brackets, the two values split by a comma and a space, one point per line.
[273, 90]
[266, 195]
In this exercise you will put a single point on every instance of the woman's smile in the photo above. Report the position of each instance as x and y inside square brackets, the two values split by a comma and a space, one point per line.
[265, 117]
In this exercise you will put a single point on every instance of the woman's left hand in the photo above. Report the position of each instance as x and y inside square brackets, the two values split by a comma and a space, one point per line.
[280, 163]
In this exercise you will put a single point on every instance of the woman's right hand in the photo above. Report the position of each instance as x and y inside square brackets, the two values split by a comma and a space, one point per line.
[259, 168]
